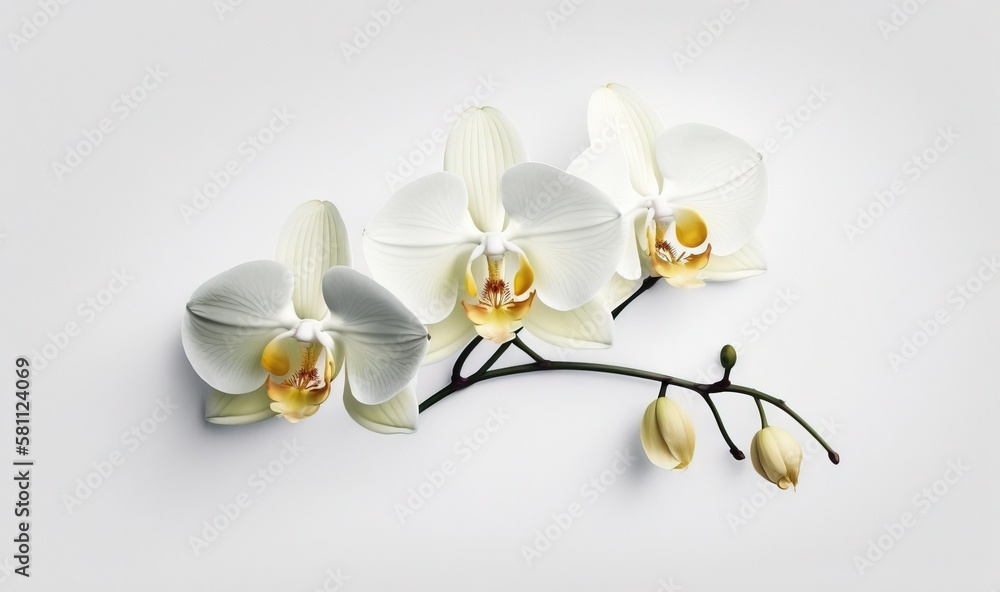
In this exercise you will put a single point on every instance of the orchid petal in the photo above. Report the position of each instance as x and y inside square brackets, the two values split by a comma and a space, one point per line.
[226, 409]
[630, 264]
[747, 262]
[398, 415]
[384, 342]
[618, 289]
[419, 243]
[677, 430]
[606, 166]
[586, 327]
[653, 443]
[719, 176]
[619, 115]
[449, 335]
[570, 231]
[483, 144]
[230, 320]
[313, 240]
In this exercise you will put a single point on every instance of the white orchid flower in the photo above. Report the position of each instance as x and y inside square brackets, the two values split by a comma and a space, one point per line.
[528, 244]
[271, 336]
[692, 194]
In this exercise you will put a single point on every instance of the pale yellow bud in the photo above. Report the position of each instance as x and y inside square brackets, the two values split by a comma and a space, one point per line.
[776, 456]
[667, 434]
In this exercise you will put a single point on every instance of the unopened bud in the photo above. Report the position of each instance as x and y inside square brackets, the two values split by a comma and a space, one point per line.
[728, 356]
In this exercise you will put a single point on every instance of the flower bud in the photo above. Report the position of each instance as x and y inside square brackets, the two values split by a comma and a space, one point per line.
[776, 456]
[728, 357]
[667, 434]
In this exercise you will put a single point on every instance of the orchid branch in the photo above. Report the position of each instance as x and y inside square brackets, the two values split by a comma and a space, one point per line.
[705, 390]
[702, 389]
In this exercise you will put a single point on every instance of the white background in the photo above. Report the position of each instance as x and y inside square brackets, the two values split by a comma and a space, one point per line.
[717, 526]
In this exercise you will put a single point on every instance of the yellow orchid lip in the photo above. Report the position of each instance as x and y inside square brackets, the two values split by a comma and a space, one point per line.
[679, 268]
[275, 359]
[524, 277]
[499, 311]
[498, 324]
[297, 394]
[690, 227]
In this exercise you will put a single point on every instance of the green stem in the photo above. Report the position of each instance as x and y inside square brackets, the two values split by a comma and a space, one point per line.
[456, 371]
[760, 410]
[646, 285]
[733, 449]
[493, 359]
[523, 347]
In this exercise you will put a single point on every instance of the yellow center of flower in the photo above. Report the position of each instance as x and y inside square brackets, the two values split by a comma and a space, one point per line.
[501, 307]
[680, 268]
[299, 377]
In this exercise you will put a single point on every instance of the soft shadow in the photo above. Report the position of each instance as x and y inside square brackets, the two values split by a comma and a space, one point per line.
[193, 395]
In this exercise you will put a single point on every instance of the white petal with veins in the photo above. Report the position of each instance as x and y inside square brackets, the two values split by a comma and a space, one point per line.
[586, 327]
[481, 145]
[570, 231]
[231, 318]
[449, 336]
[608, 169]
[223, 408]
[383, 342]
[747, 262]
[313, 240]
[719, 176]
[419, 243]
[398, 415]
[619, 115]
